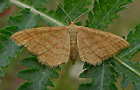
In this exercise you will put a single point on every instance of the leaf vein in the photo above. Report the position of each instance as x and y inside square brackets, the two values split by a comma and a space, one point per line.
[129, 67]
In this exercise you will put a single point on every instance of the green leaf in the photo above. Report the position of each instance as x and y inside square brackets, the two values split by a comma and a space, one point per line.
[26, 20]
[129, 69]
[136, 86]
[7, 46]
[104, 12]
[1, 73]
[102, 77]
[3, 5]
[125, 82]
[38, 76]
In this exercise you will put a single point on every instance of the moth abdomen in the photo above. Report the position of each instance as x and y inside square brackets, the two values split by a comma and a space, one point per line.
[73, 46]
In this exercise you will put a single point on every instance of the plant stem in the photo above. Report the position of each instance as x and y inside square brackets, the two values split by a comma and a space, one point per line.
[22, 5]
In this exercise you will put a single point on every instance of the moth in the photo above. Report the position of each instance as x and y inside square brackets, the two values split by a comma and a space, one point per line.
[55, 45]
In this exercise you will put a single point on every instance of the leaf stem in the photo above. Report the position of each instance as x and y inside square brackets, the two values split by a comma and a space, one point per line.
[22, 5]
[129, 67]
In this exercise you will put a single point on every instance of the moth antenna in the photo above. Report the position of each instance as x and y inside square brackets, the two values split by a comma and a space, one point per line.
[82, 14]
[64, 10]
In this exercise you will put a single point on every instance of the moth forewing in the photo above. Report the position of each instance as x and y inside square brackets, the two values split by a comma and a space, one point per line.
[48, 43]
